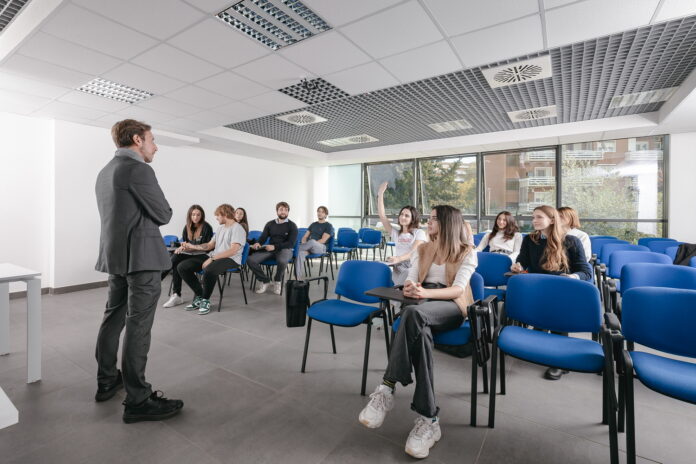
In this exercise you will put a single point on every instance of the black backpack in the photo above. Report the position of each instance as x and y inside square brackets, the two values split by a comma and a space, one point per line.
[296, 302]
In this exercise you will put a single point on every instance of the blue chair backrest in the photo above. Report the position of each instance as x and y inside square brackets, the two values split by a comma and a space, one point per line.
[357, 277]
[672, 252]
[645, 240]
[595, 237]
[492, 267]
[692, 262]
[554, 302]
[620, 258]
[657, 275]
[168, 239]
[330, 244]
[660, 318]
[346, 228]
[478, 237]
[300, 232]
[661, 246]
[599, 243]
[609, 248]
[361, 232]
[245, 254]
[476, 283]
[371, 237]
[347, 238]
[254, 234]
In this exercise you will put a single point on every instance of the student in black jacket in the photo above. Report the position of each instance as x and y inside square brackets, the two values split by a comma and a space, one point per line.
[196, 232]
[282, 235]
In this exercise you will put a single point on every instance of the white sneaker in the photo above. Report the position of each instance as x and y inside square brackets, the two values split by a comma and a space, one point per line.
[277, 288]
[423, 436]
[261, 287]
[174, 300]
[381, 402]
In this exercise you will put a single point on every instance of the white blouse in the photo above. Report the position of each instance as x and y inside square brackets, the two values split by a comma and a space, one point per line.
[585, 240]
[436, 273]
[500, 243]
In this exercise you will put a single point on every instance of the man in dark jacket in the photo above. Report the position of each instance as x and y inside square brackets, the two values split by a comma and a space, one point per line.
[131, 207]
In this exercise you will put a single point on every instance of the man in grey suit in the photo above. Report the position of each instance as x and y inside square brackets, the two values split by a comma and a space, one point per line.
[131, 207]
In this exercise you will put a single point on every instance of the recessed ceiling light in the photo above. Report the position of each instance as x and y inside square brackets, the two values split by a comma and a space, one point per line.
[447, 126]
[301, 118]
[532, 114]
[114, 91]
[640, 98]
[521, 71]
[274, 23]
[352, 140]
[8, 10]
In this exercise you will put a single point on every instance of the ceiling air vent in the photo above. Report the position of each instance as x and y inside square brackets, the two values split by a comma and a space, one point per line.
[532, 114]
[447, 126]
[10, 9]
[313, 91]
[521, 71]
[640, 98]
[301, 118]
[352, 140]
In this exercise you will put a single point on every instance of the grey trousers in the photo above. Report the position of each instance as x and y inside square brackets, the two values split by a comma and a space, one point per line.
[131, 304]
[310, 247]
[412, 349]
[282, 257]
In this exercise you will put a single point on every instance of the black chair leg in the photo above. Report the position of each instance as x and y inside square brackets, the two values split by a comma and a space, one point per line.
[492, 394]
[474, 390]
[241, 281]
[502, 373]
[367, 357]
[306, 344]
[386, 331]
[611, 411]
[221, 286]
[622, 404]
[484, 370]
[630, 421]
[333, 339]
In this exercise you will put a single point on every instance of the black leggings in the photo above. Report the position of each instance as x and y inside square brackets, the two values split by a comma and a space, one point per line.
[190, 267]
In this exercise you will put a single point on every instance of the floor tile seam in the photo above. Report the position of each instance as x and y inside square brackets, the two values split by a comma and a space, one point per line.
[241, 376]
[483, 444]
[179, 349]
[190, 442]
[227, 327]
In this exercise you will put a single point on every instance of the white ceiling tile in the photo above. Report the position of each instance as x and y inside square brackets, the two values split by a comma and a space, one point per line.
[235, 112]
[395, 30]
[325, 53]
[198, 97]
[158, 18]
[169, 106]
[232, 85]
[172, 62]
[44, 71]
[145, 114]
[16, 83]
[143, 79]
[548, 4]
[502, 42]
[675, 9]
[96, 32]
[595, 18]
[220, 44]
[273, 71]
[66, 54]
[275, 102]
[12, 102]
[211, 118]
[339, 12]
[211, 6]
[431, 60]
[93, 101]
[185, 125]
[60, 110]
[363, 78]
[457, 16]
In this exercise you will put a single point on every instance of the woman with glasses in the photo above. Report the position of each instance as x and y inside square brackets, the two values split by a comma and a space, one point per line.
[439, 274]
[407, 236]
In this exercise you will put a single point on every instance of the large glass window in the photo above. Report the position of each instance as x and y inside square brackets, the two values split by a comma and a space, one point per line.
[344, 196]
[448, 181]
[400, 178]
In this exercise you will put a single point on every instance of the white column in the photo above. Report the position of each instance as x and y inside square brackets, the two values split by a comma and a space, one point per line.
[33, 329]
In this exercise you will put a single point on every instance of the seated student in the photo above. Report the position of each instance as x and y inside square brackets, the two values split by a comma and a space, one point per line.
[407, 236]
[240, 216]
[571, 222]
[196, 231]
[314, 240]
[505, 237]
[227, 246]
[548, 250]
[440, 272]
[282, 233]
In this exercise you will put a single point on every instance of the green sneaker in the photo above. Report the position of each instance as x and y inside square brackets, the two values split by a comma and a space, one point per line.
[203, 306]
[195, 304]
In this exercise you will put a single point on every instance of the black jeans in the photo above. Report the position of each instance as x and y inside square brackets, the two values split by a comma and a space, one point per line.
[189, 268]
[131, 304]
[176, 277]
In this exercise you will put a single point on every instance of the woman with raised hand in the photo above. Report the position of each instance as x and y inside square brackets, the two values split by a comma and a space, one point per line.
[505, 237]
[407, 236]
[440, 273]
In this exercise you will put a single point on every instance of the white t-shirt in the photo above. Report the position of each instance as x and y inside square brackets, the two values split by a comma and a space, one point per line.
[404, 242]
[500, 243]
[225, 236]
[585, 240]
[436, 273]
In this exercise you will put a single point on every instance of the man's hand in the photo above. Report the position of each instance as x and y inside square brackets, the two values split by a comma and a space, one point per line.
[256, 246]
[207, 262]
[270, 248]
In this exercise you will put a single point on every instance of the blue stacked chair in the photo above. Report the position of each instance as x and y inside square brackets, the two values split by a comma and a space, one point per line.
[617, 261]
[169, 240]
[692, 262]
[346, 243]
[492, 267]
[657, 275]
[478, 237]
[370, 239]
[234, 270]
[672, 252]
[661, 245]
[645, 240]
[328, 254]
[597, 245]
[605, 255]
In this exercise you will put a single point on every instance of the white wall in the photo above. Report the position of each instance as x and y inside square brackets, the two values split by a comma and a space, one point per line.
[682, 187]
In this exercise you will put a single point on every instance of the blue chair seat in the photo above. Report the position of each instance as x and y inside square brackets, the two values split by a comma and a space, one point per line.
[338, 249]
[339, 312]
[499, 293]
[668, 376]
[552, 350]
[391, 244]
[454, 337]
[367, 245]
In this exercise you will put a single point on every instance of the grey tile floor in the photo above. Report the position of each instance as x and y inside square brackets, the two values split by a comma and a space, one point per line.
[247, 402]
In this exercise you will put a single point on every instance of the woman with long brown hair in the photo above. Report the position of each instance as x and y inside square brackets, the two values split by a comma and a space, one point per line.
[196, 231]
[505, 238]
[571, 222]
[439, 273]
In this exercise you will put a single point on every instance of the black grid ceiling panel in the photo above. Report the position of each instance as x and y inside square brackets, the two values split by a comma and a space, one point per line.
[314, 91]
[586, 76]
[8, 10]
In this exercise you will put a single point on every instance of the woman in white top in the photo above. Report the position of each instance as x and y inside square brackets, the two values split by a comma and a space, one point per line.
[571, 221]
[407, 237]
[505, 237]
[440, 273]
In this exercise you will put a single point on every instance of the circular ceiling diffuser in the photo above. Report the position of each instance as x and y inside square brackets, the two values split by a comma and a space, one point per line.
[301, 118]
[534, 114]
[517, 73]
[360, 139]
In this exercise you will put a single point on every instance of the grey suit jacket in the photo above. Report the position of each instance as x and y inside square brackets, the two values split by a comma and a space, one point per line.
[131, 207]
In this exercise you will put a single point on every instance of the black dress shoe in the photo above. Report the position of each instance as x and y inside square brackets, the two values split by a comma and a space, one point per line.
[553, 373]
[106, 391]
[156, 407]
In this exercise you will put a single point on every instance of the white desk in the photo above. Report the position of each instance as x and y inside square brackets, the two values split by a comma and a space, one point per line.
[11, 273]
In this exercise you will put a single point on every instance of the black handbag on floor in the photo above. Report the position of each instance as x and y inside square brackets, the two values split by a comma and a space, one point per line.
[296, 302]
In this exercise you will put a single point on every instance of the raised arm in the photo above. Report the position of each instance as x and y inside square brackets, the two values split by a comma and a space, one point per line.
[380, 208]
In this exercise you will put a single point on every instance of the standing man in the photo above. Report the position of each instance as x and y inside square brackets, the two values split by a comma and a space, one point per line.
[282, 235]
[131, 207]
[314, 240]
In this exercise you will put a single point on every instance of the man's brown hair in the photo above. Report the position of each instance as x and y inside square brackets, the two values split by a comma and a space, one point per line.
[282, 203]
[225, 210]
[324, 208]
[123, 132]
